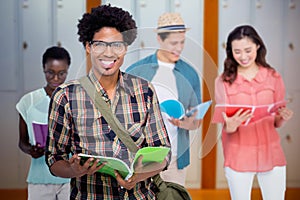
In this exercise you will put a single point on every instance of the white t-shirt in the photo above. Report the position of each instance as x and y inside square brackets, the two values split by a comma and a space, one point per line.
[164, 83]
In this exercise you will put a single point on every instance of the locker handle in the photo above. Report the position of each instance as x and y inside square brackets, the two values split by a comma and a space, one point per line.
[143, 4]
[258, 4]
[142, 44]
[25, 3]
[223, 45]
[25, 45]
[225, 3]
[292, 4]
[288, 138]
[59, 4]
[291, 46]
[177, 3]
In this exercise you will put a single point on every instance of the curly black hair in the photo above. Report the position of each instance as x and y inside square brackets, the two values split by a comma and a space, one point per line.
[107, 16]
[57, 53]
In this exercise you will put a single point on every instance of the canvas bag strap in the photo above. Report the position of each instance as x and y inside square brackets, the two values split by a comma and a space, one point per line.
[114, 123]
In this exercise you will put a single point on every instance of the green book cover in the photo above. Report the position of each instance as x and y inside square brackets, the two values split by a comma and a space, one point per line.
[150, 154]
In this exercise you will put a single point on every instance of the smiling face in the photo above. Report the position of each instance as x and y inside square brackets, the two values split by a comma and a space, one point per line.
[171, 47]
[108, 62]
[244, 52]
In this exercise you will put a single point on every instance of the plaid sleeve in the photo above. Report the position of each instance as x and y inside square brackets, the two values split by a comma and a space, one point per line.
[59, 128]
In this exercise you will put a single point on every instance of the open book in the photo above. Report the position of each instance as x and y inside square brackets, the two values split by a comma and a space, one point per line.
[150, 154]
[258, 112]
[175, 109]
[40, 132]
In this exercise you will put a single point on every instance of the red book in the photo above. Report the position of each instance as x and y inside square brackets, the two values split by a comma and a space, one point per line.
[230, 110]
[40, 133]
[258, 112]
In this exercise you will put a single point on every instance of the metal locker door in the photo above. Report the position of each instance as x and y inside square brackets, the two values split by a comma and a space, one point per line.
[67, 13]
[267, 23]
[36, 30]
[147, 15]
[231, 14]
[290, 71]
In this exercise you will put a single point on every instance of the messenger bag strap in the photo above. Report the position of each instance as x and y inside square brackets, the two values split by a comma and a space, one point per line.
[114, 123]
[111, 119]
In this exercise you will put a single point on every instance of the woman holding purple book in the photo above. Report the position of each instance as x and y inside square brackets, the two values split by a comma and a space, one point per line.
[33, 109]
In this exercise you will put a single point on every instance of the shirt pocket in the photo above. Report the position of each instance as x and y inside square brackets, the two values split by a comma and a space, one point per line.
[265, 94]
[136, 132]
[239, 94]
[86, 122]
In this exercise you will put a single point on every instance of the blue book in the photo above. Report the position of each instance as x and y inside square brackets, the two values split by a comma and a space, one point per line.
[175, 109]
[172, 108]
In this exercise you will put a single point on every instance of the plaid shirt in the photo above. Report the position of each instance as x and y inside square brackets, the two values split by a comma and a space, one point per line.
[76, 126]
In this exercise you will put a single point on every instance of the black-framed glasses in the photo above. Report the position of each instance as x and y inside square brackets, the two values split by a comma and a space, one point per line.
[100, 46]
[51, 74]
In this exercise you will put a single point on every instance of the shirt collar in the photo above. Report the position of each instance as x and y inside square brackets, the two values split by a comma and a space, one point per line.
[95, 81]
[121, 84]
[260, 76]
[124, 83]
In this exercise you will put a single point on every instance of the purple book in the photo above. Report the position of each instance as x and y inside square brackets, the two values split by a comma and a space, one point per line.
[40, 133]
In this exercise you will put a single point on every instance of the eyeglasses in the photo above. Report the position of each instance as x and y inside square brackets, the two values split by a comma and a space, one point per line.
[51, 74]
[100, 46]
